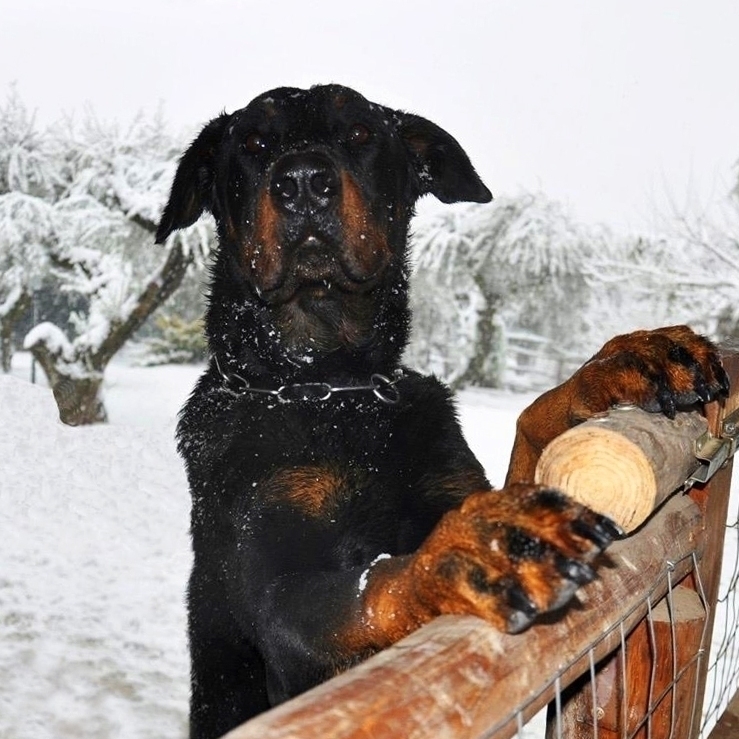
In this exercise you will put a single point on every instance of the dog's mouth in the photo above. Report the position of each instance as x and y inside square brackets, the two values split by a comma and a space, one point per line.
[318, 267]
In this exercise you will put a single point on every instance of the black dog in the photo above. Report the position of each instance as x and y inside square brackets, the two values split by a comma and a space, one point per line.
[335, 504]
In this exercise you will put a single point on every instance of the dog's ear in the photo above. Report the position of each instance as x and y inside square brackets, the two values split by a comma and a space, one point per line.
[192, 189]
[441, 164]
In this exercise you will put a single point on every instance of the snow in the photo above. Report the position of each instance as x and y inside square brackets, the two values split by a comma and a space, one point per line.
[14, 295]
[95, 554]
[95, 558]
[363, 578]
[26, 225]
[52, 336]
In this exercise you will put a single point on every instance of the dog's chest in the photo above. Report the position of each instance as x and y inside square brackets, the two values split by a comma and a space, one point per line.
[319, 470]
[347, 431]
[255, 437]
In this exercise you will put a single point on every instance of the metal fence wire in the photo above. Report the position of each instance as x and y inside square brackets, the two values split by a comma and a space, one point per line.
[617, 700]
[723, 670]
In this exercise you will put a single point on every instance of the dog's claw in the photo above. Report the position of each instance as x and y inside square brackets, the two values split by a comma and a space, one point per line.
[579, 572]
[611, 528]
[722, 378]
[602, 531]
[523, 609]
[666, 401]
[703, 391]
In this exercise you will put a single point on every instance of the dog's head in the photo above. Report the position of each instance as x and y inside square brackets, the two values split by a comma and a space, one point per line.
[311, 185]
[312, 192]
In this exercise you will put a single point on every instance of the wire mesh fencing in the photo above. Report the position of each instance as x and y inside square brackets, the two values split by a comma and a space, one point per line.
[723, 667]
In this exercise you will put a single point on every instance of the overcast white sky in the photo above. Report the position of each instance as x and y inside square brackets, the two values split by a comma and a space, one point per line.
[607, 106]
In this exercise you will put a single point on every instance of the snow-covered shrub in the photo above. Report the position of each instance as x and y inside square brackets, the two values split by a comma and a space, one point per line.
[25, 219]
[175, 341]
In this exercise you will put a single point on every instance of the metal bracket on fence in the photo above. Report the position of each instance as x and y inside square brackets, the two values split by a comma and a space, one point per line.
[714, 452]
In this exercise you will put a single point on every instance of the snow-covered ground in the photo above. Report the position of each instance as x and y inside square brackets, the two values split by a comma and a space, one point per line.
[94, 554]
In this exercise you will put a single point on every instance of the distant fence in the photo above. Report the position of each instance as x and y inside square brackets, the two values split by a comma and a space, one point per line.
[533, 362]
[632, 662]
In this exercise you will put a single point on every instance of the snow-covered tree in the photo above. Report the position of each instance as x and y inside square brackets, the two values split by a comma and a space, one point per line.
[26, 237]
[27, 176]
[521, 266]
[688, 274]
[25, 163]
[517, 262]
[657, 281]
[101, 203]
[117, 183]
[712, 241]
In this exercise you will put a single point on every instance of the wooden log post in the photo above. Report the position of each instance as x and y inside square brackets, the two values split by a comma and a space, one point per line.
[646, 691]
[713, 499]
[652, 460]
[625, 463]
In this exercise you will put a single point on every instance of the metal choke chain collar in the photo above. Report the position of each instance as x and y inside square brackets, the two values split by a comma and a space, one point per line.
[381, 386]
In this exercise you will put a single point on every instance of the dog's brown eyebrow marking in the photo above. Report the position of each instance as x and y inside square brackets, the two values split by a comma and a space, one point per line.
[315, 489]
[340, 101]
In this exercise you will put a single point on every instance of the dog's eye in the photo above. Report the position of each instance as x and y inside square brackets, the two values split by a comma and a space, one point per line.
[255, 143]
[359, 134]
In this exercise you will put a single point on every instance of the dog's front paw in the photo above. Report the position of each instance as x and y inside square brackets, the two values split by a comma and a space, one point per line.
[664, 370]
[508, 556]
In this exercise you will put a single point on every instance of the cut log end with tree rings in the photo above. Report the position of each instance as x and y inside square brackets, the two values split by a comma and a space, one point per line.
[624, 464]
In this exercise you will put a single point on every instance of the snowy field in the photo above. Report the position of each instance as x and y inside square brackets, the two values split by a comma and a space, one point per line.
[94, 554]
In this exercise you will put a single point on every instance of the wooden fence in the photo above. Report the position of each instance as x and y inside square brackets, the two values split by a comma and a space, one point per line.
[629, 662]
[533, 362]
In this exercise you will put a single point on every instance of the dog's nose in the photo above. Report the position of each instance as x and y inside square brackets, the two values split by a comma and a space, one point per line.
[304, 181]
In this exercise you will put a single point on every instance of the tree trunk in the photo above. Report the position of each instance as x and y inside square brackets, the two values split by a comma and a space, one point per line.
[77, 380]
[78, 395]
[10, 315]
[166, 280]
[80, 401]
[484, 369]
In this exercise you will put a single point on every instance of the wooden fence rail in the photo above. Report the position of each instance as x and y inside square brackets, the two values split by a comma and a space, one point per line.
[628, 662]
